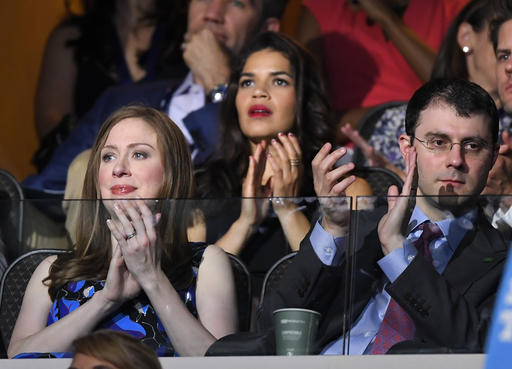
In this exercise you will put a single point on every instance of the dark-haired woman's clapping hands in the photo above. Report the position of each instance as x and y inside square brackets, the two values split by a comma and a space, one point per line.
[254, 205]
[285, 159]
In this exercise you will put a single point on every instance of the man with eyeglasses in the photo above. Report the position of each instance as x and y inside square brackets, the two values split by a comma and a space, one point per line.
[426, 278]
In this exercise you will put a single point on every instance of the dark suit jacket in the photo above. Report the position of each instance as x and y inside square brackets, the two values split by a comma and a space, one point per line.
[202, 124]
[449, 310]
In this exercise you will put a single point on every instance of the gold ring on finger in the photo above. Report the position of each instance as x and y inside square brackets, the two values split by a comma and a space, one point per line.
[295, 162]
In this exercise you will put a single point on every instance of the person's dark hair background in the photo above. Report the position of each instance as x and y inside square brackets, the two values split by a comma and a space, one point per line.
[451, 61]
[505, 14]
[467, 98]
[223, 174]
[272, 8]
[92, 49]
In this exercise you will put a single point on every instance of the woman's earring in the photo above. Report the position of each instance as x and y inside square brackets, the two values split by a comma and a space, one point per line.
[466, 49]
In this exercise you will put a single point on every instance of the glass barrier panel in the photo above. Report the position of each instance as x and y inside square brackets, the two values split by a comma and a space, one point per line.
[276, 229]
[450, 301]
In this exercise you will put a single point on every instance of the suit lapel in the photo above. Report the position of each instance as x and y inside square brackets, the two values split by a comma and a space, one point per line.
[476, 255]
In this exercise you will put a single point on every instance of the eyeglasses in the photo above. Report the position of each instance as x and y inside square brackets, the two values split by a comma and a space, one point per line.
[470, 147]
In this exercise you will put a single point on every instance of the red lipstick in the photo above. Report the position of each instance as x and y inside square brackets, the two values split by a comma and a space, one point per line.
[259, 110]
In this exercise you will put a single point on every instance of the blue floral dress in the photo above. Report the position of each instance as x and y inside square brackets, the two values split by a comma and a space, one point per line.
[136, 317]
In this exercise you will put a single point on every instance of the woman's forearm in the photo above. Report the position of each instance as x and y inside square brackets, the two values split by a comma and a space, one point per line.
[57, 337]
[234, 239]
[188, 336]
[294, 223]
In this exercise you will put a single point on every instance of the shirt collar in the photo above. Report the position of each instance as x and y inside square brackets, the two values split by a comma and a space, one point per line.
[188, 85]
[454, 229]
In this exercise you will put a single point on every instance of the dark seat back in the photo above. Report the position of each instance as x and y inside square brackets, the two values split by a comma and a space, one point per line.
[243, 292]
[11, 215]
[274, 275]
[13, 286]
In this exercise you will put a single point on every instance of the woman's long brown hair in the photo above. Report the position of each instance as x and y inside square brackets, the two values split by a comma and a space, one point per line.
[92, 253]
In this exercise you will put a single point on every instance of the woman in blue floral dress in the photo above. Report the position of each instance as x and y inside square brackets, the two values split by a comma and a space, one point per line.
[131, 269]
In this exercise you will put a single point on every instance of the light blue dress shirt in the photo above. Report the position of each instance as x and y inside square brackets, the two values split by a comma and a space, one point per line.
[330, 251]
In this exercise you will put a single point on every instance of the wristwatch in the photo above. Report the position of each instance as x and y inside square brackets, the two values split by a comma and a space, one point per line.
[218, 93]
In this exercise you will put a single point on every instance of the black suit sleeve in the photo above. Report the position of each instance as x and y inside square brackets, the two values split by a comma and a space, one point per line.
[307, 283]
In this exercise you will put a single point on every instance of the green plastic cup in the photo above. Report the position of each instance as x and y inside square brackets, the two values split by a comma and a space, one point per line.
[295, 330]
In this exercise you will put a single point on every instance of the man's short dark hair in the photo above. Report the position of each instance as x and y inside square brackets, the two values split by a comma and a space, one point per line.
[467, 98]
[504, 9]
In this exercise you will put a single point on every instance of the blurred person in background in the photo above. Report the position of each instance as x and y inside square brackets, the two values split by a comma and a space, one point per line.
[110, 43]
[217, 30]
[374, 51]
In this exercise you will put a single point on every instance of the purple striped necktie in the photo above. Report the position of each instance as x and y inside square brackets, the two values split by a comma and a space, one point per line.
[397, 325]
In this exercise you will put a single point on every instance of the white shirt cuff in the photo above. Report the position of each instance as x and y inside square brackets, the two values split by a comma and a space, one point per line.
[394, 263]
[329, 250]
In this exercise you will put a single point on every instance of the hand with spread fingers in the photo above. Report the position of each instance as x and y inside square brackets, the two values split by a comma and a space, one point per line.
[391, 225]
[328, 180]
[206, 59]
[285, 159]
[330, 185]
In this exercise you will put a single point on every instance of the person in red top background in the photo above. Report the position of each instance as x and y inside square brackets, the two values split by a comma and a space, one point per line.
[374, 51]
